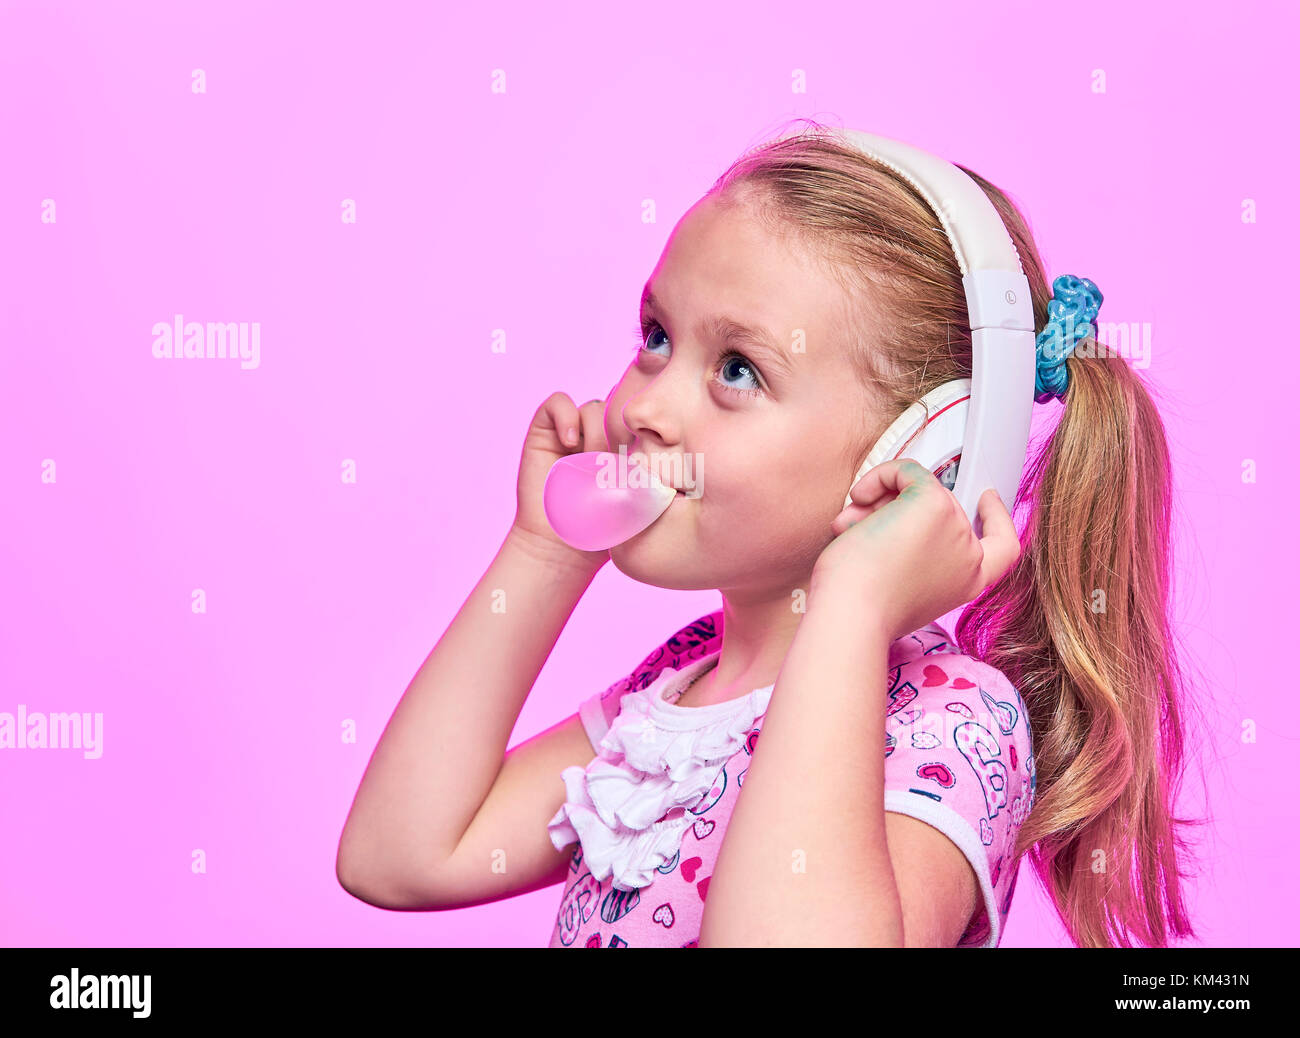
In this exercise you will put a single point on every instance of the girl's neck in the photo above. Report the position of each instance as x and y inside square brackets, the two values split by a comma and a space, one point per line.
[756, 635]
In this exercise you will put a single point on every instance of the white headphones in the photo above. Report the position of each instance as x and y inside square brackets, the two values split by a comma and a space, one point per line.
[971, 433]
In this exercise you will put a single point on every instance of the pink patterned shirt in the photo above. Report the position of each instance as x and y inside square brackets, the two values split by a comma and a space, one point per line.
[647, 816]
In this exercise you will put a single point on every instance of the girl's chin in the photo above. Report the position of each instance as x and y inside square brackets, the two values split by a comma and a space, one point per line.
[679, 502]
[655, 532]
[656, 556]
[671, 576]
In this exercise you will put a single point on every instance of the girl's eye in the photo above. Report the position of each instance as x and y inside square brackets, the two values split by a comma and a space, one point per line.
[730, 363]
[647, 332]
[737, 365]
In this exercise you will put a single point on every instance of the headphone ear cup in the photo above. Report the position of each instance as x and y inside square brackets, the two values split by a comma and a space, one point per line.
[932, 431]
[947, 475]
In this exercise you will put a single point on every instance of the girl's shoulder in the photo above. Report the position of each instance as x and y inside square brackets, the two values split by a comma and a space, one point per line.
[959, 756]
[927, 670]
[931, 655]
[687, 644]
[698, 638]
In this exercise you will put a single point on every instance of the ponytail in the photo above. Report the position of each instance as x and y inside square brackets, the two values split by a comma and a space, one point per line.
[1080, 627]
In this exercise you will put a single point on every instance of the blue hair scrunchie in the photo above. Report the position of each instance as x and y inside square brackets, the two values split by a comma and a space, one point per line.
[1071, 312]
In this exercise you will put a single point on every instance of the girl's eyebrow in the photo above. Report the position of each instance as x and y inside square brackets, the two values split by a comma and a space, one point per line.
[734, 333]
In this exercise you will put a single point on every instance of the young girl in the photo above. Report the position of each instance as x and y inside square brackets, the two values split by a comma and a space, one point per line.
[1050, 725]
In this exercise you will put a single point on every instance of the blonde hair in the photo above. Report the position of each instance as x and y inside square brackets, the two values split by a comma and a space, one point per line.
[1104, 689]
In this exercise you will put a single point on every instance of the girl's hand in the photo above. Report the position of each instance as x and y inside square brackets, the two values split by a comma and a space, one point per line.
[546, 443]
[905, 551]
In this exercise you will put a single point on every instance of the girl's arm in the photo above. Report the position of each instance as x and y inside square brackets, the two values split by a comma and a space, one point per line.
[806, 857]
[446, 741]
[804, 860]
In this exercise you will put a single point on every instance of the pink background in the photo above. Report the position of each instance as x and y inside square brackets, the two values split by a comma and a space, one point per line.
[522, 211]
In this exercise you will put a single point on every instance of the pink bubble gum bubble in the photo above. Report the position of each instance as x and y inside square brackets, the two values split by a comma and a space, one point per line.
[587, 508]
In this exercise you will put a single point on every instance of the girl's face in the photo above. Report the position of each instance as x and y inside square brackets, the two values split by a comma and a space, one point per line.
[756, 434]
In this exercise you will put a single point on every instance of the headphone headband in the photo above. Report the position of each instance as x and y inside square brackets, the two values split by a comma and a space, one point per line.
[1000, 392]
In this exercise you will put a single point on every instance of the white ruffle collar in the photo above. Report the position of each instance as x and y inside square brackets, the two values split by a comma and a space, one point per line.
[631, 805]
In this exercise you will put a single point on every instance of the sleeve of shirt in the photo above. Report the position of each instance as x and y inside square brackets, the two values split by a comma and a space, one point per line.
[696, 639]
[959, 757]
